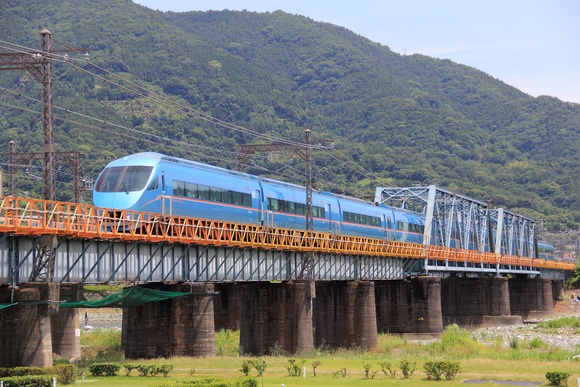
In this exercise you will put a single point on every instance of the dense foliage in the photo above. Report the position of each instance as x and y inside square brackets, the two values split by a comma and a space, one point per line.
[394, 120]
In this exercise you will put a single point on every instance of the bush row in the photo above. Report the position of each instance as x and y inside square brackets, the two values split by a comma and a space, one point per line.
[64, 373]
[436, 370]
[26, 381]
[111, 369]
[210, 382]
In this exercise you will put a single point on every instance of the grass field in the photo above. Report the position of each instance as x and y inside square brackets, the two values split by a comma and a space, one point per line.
[519, 361]
[276, 373]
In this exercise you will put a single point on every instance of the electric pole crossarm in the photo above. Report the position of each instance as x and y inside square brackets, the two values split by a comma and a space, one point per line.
[304, 151]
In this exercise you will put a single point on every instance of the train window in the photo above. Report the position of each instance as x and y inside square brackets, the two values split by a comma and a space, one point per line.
[301, 209]
[273, 204]
[290, 207]
[226, 196]
[247, 200]
[190, 190]
[203, 192]
[403, 226]
[361, 219]
[214, 194]
[178, 189]
[318, 212]
[237, 198]
[154, 185]
[123, 179]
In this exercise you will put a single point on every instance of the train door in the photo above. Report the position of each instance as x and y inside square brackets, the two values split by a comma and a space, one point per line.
[328, 210]
[388, 225]
[165, 199]
[333, 223]
[257, 196]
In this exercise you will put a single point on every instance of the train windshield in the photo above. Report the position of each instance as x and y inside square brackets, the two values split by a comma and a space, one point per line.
[123, 179]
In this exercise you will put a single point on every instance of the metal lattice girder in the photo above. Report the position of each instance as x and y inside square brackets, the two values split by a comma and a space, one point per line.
[451, 220]
[514, 234]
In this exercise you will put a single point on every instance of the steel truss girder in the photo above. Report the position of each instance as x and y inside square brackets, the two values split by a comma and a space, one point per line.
[93, 261]
[515, 234]
[463, 222]
[114, 261]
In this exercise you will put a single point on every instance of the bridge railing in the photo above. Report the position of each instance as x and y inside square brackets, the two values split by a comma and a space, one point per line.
[26, 216]
[449, 254]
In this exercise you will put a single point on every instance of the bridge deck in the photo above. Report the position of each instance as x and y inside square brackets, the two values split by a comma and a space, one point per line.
[29, 217]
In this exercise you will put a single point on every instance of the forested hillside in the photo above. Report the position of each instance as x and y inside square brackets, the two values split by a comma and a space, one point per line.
[161, 81]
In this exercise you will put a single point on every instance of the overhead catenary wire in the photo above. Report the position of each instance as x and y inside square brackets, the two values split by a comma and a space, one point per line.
[170, 103]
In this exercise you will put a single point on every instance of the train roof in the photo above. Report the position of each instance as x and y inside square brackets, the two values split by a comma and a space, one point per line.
[152, 158]
[139, 157]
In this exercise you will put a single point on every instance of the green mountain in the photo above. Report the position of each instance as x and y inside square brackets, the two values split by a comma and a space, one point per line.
[197, 84]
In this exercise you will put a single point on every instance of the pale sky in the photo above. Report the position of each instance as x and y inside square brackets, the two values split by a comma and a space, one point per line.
[533, 45]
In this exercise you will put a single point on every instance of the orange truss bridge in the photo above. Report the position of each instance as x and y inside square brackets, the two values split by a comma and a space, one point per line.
[95, 246]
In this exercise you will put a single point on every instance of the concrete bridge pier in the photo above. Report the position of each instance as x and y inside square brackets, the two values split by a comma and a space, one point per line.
[25, 329]
[411, 306]
[477, 302]
[182, 326]
[531, 298]
[65, 325]
[558, 290]
[345, 314]
[227, 306]
[275, 318]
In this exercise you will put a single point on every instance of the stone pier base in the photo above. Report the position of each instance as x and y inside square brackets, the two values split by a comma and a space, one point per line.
[345, 314]
[276, 318]
[409, 307]
[25, 329]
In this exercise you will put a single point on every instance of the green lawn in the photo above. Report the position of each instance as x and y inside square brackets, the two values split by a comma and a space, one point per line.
[276, 373]
[521, 360]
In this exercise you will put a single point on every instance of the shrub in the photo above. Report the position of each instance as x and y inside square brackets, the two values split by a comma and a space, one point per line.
[314, 365]
[259, 365]
[129, 367]
[145, 369]
[435, 370]
[407, 368]
[211, 382]
[294, 369]
[246, 367]
[165, 369]
[26, 381]
[107, 369]
[388, 369]
[65, 373]
[368, 373]
[557, 377]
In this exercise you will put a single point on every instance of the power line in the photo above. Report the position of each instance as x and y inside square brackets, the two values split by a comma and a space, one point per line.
[175, 105]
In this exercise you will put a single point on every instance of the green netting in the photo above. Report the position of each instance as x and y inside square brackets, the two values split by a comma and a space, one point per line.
[129, 297]
[2, 306]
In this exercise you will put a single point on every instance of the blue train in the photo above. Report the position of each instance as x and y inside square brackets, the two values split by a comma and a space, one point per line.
[166, 185]
[545, 251]
[156, 183]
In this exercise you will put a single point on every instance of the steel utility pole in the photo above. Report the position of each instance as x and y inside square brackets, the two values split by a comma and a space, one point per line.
[246, 152]
[39, 66]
